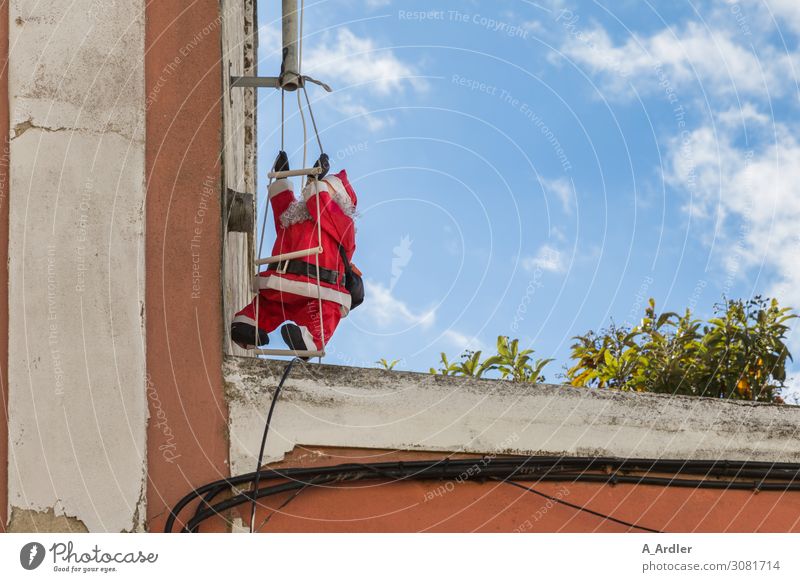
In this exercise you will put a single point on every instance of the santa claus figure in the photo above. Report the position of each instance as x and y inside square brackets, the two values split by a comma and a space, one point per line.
[288, 289]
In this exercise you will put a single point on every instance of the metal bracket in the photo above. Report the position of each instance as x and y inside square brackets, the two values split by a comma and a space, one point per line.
[274, 82]
[251, 81]
[240, 207]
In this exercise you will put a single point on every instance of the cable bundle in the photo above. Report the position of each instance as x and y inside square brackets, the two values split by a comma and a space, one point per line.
[724, 475]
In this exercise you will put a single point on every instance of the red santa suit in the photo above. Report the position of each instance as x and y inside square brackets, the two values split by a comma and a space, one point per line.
[285, 296]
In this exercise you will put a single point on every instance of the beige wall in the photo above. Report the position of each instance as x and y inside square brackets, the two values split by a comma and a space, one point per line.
[3, 272]
[76, 373]
[115, 386]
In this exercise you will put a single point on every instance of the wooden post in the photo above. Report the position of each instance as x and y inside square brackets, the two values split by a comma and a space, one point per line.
[239, 162]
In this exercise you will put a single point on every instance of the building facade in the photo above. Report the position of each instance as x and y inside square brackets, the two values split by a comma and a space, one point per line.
[127, 187]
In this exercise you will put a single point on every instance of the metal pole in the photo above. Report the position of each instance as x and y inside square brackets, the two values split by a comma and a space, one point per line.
[290, 76]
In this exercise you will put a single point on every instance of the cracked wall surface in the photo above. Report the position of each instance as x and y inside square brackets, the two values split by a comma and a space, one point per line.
[338, 406]
[28, 520]
[77, 402]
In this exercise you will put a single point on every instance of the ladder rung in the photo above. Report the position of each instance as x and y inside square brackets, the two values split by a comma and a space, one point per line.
[290, 173]
[288, 256]
[298, 353]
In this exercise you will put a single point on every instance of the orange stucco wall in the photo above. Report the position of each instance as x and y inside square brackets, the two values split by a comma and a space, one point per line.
[413, 506]
[186, 432]
[4, 129]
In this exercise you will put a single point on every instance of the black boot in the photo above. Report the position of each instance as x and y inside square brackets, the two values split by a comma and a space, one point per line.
[244, 336]
[293, 337]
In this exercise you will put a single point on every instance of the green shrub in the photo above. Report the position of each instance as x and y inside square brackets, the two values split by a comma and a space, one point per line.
[739, 353]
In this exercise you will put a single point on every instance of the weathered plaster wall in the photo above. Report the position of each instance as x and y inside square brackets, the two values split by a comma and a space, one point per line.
[3, 261]
[330, 415]
[369, 408]
[187, 442]
[238, 109]
[76, 272]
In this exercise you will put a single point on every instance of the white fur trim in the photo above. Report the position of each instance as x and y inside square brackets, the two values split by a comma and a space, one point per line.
[244, 319]
[298, 210]
[314, 187]
[342, 198]
[305, 289]
[279, 186]
[336, 185]
[340, 195]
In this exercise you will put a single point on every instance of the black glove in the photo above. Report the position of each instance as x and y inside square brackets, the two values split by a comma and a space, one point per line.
[281, 162]
[323, 163]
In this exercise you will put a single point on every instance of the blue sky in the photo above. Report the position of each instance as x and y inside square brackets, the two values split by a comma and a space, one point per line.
[542, 169]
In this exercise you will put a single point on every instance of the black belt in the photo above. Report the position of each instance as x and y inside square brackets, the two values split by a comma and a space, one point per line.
[296, 267]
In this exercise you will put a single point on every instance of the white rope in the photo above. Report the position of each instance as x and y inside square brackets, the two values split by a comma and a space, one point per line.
[316, 260]
[305, 131]
[264, 222]
[314, 178]
[258, 274]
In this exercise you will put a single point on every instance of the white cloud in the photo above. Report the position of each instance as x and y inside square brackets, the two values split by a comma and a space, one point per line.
[786, 14]
[462, 342]
[348, 59]
[348, 107]
[792, 392]
[750, 200]
[785, 10]
[562, 189]
[269, 40]
[344, 59]
[712, 59]
[386, 310]
[534, 26]
[744, 114]
[547, 258]
[557, 233]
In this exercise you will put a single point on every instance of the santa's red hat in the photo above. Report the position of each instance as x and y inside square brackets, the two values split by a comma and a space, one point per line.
[340, 183]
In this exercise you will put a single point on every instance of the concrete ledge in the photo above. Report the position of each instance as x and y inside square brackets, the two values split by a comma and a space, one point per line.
[369, 408]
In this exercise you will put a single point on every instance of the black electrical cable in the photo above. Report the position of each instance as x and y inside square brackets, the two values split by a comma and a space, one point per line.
[578, 507]
[238, 500]
[414, 468]
[213, 489]
[275, 397]
[784, 476]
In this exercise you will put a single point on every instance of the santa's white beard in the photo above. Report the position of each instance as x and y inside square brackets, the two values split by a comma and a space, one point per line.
[298, 210]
